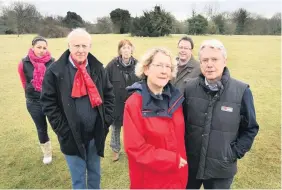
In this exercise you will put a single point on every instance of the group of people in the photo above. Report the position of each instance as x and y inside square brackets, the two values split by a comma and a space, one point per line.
[185, 123]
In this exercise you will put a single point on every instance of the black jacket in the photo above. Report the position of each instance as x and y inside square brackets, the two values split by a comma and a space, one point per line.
[220, 126]
[121, 77]
[28, 69]
[60, 109]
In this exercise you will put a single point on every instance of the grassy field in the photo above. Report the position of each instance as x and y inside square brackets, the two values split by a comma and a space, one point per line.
[253, 59]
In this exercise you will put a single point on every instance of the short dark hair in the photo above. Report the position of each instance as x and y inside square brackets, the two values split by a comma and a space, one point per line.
[37, 39]
[186, 38]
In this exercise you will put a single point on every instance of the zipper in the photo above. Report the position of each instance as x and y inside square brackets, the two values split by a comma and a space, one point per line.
[174, 104]
[148, 111]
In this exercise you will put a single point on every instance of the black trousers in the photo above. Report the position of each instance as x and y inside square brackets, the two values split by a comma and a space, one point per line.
[35, 110]
[214, 183]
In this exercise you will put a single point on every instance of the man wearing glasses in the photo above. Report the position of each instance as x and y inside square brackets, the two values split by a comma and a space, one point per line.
[188, 67]
[78, 99]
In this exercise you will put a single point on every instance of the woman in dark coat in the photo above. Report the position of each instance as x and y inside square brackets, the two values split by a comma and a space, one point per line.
[121, 73]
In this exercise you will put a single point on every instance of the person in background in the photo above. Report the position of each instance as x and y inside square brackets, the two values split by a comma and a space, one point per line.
[188, 67]
[31, 70]
[121, 72]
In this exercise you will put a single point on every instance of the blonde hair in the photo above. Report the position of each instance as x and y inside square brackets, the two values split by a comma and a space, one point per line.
[147, 59]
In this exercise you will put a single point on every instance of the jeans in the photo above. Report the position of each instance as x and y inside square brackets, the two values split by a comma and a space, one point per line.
[35, 110]
[81, 169]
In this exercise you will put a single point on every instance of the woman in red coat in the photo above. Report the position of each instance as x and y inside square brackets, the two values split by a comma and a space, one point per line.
[154, 126]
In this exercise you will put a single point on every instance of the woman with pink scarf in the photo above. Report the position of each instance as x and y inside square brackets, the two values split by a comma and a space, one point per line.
[31, 70]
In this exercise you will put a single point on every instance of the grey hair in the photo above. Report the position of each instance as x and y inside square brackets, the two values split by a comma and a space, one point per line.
[215, 44]
[78, 32]
[148, 58]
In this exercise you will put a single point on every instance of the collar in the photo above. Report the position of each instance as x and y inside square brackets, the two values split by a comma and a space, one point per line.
[212, 87]
[165, 92]
[70, 59]
[187, 63]
[149, 108]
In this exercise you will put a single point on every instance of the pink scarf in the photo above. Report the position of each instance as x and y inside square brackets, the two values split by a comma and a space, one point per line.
[39, 68]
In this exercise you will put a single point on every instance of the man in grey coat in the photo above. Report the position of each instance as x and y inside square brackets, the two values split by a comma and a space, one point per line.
[188, 67]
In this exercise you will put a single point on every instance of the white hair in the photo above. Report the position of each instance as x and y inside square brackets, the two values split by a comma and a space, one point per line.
[147, 59]
[215, 44]
[78, 32]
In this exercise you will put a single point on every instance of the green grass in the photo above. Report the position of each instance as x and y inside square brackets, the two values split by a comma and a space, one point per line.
[253, 59]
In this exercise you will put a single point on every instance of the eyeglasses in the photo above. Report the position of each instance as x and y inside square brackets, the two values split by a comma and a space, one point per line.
[161, 66]
[83, 46]
[185, 48]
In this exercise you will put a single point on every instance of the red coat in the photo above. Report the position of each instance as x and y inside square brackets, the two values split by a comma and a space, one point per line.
[154, 146]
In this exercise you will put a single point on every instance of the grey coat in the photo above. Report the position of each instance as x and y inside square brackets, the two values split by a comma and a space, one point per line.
[191, 70]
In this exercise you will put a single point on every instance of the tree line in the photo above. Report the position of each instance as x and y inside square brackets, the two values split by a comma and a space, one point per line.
[24, 18]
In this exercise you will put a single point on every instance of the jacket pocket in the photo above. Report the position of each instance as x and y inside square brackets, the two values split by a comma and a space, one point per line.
[68, 144]
[230, 154]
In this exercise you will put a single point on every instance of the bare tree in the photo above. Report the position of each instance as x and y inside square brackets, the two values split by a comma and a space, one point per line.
[27, 17]
[21, 17]
[275, 24]
[230, 25]
[211, 10]
[193, 9]
[104, 25]
[9, 21]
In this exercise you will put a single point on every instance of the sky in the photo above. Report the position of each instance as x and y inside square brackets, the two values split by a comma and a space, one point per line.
[91, 9]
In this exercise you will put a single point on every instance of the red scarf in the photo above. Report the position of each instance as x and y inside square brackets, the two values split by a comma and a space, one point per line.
[83, 85]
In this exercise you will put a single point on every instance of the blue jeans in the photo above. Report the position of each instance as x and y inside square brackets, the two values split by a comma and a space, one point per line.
[90, 167]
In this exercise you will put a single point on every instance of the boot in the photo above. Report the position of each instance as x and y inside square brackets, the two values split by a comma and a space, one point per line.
[115, 156]
[47, 152]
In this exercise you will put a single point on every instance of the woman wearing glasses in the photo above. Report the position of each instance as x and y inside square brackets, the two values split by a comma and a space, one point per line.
[31, 70]
[154, 126]
[121, 74]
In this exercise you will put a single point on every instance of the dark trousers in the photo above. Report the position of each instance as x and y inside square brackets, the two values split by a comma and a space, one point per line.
[214, 183]
[35, 110]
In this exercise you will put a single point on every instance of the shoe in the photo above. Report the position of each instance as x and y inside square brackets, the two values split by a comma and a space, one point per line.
[47, 152]
[115, 156]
